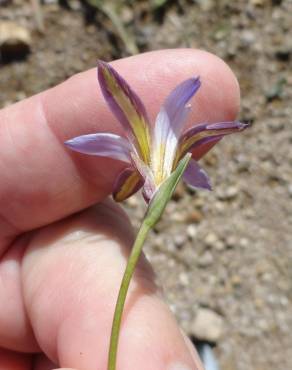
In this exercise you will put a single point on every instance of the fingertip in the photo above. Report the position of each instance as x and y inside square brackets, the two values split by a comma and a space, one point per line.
[193, 352]
[153, 339]
[227, 83]
[219, 96]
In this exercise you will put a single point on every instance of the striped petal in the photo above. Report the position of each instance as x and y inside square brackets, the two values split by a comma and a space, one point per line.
[102, 144]
[206, 132]
[127, 107]
[196, 177]
[149, 186]
[128, 183]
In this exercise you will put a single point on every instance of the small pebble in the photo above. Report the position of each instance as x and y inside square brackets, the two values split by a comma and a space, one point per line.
[179, 239]
[192, 231]
[206, 259]
[15, 41]
[207, 325]
[228, 193]
[210, 239]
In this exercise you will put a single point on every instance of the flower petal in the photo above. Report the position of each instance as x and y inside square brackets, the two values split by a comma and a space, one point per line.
[163, 147]
[127, 107]
[168, 127]
[128, 182]
[149, 187]
[176, 103]
[102, 144]
[206, 132]
[196, 177]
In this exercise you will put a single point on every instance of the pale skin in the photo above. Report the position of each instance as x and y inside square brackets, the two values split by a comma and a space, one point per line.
[60, 270]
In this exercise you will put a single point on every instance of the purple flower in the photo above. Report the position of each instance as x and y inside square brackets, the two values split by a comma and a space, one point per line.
[151, 153]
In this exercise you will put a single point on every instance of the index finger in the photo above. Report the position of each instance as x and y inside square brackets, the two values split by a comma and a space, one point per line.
[41, 181]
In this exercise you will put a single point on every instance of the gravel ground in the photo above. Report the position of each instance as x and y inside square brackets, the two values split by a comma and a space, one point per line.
[229, 252]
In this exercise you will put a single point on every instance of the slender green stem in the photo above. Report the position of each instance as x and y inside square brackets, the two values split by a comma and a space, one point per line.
[153, 214]
[130, 268]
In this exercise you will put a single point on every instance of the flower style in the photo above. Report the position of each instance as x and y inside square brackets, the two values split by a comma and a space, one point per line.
[151, 153]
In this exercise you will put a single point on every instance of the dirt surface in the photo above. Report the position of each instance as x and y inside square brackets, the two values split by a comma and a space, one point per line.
[229, 250]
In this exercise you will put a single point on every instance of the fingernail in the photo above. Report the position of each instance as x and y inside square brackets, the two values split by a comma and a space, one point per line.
[193, 352]
[178, 366]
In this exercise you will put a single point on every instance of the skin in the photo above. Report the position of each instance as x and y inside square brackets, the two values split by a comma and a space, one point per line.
[63, 247]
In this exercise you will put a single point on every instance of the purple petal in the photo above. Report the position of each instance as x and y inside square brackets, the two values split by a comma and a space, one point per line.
[149, 187]
[128, 182]
[148, 190]
[176, 103]
[196, 177]
[239, 126]
[126, 106]
[102, 144]
[168, 127]
[207, 132]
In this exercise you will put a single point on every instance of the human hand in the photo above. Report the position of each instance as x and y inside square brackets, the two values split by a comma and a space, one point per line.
[60, 274]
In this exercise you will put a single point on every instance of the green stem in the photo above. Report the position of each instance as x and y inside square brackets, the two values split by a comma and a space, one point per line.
[153, 214]
[130, 268]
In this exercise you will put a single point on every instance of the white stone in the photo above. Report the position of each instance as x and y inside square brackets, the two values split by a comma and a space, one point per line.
[207, 325]
[192, 231]
[14, 34]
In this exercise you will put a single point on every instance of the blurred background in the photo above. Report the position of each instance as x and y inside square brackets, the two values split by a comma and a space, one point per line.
[224, 258]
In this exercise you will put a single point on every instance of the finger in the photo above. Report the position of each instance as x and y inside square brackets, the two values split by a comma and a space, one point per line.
[193, 351]
[10, 360]
[71, 276]
[41, 181]
[15, 330]
[41, 362]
